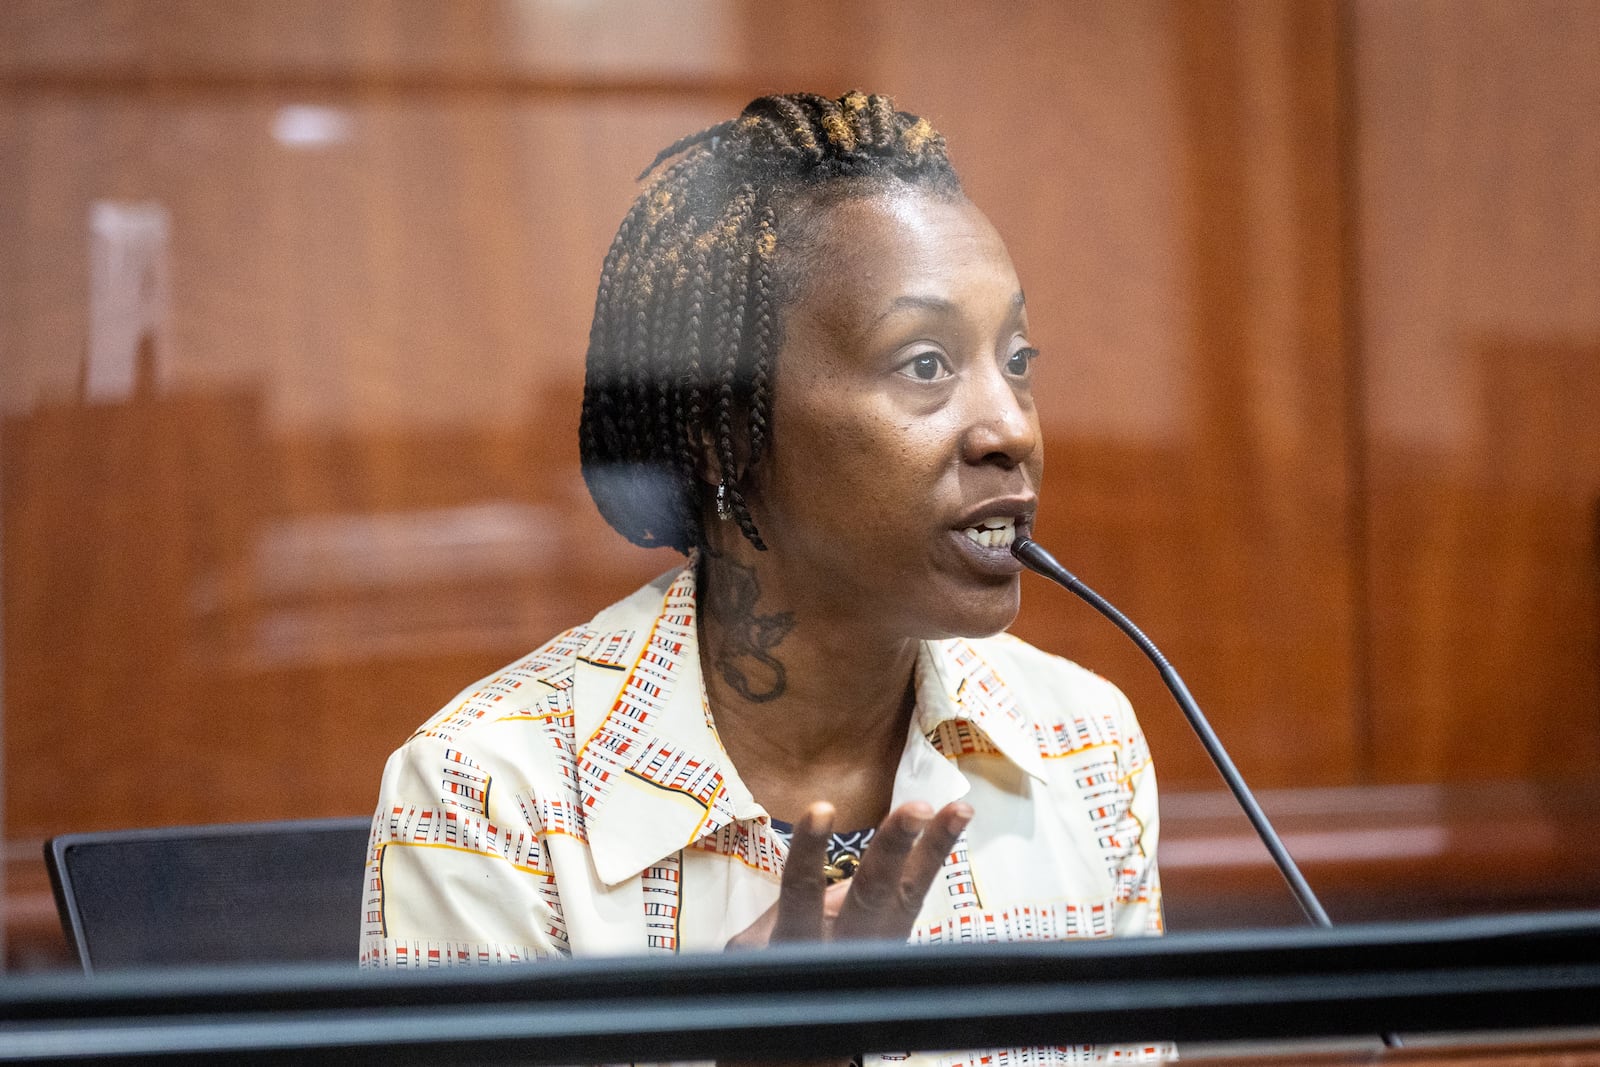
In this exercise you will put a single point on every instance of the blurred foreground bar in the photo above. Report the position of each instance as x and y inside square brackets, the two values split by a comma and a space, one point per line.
[810, 1001]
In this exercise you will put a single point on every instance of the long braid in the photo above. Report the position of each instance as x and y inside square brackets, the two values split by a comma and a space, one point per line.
[736, 278]
[689, 434]
[761, 335]
[724, 356]
[669, 403]
[589, 423]
[655, 329]
[639, 371]
[688, 314]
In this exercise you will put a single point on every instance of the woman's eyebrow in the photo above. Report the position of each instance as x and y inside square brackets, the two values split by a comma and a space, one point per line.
[921, 303]
[931, 303]
[936, 304]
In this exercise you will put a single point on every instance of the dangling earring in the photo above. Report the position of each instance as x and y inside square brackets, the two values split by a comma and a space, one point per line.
[724, 509]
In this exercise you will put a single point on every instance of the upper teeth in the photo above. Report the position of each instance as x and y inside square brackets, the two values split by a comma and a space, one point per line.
[993, 533]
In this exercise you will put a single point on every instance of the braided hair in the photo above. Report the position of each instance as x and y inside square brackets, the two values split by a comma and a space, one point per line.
[687, 319]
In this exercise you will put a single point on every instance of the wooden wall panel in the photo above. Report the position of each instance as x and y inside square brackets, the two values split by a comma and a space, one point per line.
[431, 263]
[377, 353]
[1479, 185]
[388, 323]
[434, 47]
[350, 485]
[1166, 176]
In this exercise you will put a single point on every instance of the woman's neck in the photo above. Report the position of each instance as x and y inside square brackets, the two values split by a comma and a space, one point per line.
[808, 707]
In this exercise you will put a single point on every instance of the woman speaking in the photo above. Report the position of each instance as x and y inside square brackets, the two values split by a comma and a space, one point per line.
[810, 371]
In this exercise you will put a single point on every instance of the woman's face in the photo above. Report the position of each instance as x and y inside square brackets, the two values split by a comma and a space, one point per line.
[905, 446]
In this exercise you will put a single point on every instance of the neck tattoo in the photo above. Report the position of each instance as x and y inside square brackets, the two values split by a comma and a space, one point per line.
[745, 640]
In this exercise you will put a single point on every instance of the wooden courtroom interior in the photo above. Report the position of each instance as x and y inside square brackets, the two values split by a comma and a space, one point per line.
[1315, 282]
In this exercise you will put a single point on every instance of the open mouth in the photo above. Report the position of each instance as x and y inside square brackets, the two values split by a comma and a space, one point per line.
[993, 533]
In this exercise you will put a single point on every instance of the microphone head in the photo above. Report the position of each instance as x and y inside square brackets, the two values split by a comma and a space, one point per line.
[1028, 551]
[1032, 555]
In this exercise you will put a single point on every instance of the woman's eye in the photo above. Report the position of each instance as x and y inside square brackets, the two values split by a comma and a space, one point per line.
[925, 367]
[1021, 361]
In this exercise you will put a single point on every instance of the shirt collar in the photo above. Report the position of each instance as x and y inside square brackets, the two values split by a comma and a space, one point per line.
[652, 775]
[957, 683]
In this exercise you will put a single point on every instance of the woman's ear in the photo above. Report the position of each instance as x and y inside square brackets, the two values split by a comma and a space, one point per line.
[707, 468]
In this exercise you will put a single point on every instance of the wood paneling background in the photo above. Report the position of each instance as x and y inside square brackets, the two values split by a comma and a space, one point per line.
[1164, 176]
[1478, 176]
[1315, 282]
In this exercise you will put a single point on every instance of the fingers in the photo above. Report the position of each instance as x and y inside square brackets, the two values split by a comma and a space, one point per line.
[800, 896]
[905, 856]
[937, 842]
[884, 897]
[759, 933]
[875, 889]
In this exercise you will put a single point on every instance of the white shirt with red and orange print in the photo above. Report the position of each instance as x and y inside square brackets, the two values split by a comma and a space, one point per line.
[580, 803]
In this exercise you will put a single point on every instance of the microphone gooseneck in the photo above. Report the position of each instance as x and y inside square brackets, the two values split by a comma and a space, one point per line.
[1035, 558]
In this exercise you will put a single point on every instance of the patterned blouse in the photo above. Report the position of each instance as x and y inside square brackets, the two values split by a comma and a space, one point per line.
[579, 802]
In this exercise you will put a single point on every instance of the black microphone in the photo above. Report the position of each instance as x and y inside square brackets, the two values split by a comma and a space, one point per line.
[1036, 559]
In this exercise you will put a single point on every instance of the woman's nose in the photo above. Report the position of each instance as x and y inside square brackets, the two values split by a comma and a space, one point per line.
[1002, 426]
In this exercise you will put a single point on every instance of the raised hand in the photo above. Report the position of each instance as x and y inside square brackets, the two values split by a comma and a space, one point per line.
[881, 901]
